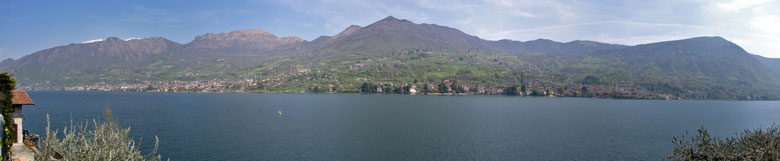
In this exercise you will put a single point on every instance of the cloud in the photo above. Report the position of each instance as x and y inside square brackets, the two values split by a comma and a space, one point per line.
[336, 15]
[738, 5]
[466, 15]
[751, 24]
[533, 9]
[142, 14]
[597, 27]
[769, 24]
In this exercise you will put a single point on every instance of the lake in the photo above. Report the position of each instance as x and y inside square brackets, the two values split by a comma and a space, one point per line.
[194, 126]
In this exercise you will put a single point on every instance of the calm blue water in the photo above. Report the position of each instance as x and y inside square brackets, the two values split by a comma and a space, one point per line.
[401, 127]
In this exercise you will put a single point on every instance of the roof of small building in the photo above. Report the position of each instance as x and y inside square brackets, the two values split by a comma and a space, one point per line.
[21, 98]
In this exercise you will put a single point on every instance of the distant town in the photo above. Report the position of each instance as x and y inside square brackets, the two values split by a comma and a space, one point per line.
[444, 87]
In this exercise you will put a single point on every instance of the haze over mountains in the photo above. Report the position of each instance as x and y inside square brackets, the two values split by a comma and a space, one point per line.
[399, 51]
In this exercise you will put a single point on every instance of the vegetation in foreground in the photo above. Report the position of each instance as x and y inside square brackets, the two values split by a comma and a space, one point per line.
[759, 144]
[102, 142]
[7, 84]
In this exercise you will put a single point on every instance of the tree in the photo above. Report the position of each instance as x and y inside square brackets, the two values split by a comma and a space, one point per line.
[457, 88]
[585, 90]
[443, 88]
[590, 80]
[535, 92]
[364, 87]
[396, 89]
[406, 89]
[759, 144]
[460, 89]
[613, 94]
[368, 87]
[522, 79]
[7, 85]
[560, 90]
[510, 90]
[316, 89]
[522, 88]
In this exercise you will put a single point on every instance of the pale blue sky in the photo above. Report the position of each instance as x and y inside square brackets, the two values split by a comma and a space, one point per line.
[29, 26]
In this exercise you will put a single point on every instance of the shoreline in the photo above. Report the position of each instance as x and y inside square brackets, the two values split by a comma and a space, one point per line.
[413, 94]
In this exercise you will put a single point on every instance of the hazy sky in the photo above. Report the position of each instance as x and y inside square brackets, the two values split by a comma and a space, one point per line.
[29, 26]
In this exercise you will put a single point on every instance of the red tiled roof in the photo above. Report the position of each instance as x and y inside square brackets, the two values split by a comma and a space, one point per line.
[21, 98]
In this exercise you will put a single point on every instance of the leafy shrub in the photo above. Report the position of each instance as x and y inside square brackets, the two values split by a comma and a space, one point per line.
[104, 141]
[759, 144]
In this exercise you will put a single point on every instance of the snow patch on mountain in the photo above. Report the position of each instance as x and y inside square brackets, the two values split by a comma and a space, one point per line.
[92, 41]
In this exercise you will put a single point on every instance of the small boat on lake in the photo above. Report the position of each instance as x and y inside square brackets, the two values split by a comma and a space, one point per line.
[280, 112]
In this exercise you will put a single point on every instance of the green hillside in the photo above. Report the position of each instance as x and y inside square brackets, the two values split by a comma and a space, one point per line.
[395, 55]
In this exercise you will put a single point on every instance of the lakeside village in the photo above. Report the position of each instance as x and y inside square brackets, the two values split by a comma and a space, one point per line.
[443, 87]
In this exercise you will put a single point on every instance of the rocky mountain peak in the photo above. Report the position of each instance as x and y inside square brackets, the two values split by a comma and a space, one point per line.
[391, 21]
[246, 38]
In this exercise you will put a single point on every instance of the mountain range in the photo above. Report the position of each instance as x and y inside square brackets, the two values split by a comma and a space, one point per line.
[397, 51]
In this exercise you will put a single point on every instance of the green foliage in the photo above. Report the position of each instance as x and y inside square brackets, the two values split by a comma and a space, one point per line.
[7, 85]
[512, 90]
[443, 88]
[759, 144]
[584, 91]
[696, 68]
[535, 92]
[368, 87]
[522, 89]
[613, 94]
[102, 141]
[406, 89]
[318, 89]
[590, 80]
[560, 90]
